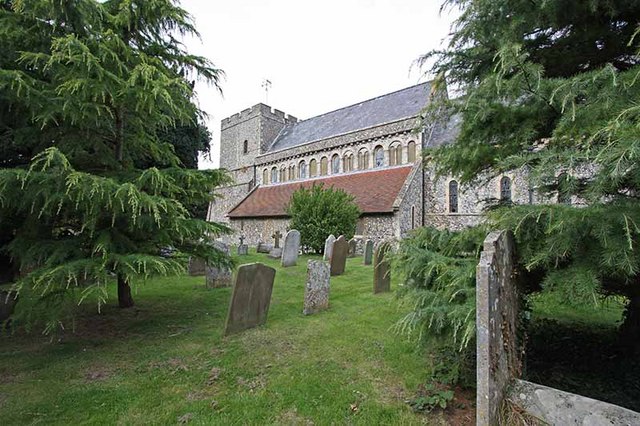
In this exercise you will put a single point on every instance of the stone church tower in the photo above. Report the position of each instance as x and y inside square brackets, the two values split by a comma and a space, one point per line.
[243, 137]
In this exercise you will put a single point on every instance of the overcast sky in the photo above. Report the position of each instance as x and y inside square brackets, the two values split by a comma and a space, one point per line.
[319, 55]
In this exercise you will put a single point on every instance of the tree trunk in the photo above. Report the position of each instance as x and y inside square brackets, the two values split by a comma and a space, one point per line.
[630, 328]
[124, 292]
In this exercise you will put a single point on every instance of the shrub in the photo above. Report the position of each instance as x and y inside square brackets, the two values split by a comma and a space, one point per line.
[437, 269]
[318, 212]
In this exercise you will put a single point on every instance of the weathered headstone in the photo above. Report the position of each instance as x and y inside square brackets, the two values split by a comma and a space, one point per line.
[243, 249]
[275, 253]
[197, 266]
[251, 297]
[339, 256]
[316, 294]
[353, 247]
[218, 276]
[290, 248]
[264, 247]
[368, 252]
[328, 247]
[381, 268]
[498, 353]
[276, 236]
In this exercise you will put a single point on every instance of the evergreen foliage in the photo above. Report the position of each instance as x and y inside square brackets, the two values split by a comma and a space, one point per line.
[86, 88]
[551, 88]
[318, 212]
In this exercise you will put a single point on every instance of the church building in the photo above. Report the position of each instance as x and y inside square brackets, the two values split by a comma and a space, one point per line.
[371, 150]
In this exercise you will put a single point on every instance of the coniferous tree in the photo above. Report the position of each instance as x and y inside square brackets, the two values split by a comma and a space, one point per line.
[551, 87]
[87, 86]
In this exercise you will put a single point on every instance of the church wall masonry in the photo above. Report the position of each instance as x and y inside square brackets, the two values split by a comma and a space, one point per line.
[386, 135]
[410, 204]
[472, 198]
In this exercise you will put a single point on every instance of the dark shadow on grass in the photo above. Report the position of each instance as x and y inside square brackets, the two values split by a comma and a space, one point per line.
[586, 361]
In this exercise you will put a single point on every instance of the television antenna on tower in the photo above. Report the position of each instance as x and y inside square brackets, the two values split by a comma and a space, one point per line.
[266, 85]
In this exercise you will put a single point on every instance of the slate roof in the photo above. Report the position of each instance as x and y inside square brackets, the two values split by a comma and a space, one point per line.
[375, 192]
[405, 103]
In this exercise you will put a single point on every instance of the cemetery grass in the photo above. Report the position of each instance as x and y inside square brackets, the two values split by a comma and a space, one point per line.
[165, 360]
[577, 349]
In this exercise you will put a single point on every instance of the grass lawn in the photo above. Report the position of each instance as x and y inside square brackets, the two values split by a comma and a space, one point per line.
[576, 348]
[165, 362]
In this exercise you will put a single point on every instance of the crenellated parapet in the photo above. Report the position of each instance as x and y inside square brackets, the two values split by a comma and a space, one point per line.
[258, 110]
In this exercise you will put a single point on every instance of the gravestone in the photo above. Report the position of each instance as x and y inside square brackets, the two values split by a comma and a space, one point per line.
[498, 353]
[197, 266]
[218, 276]
[339, 256]
[328, 247]
[275, 253]
[353, 247]
[290, 248]
[316, 294]
[243, 249]
[381, 268]
[368, 252]
[276, 236]
[264, 247]
[251, 297]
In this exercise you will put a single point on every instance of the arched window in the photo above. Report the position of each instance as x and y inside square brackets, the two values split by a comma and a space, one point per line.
[313, 168]
[265, 176]
[505, 189]
[292, 172]
[335, 164]
[453, 196]
[245, 146]
[302, 170]
[378, 155]
[411, 152]
[324, 166]
[363, 159]
[395, 154]
[392, 155]
[274, 175]
[564, 196]
[347, 162]
[283, 175]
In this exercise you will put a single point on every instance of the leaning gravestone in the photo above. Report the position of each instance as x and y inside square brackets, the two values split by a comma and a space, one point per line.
[368, 252]
[316, 294]
[218, 276]
[328, 247]
[339, 256]
[353, 247]
[291, 248]
[197, 266]
[381, 268]
[251, 297]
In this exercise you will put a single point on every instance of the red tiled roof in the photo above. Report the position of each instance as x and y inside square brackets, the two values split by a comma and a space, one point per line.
[374, 192]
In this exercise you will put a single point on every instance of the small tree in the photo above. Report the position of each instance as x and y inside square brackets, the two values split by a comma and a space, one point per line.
[317, 212]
